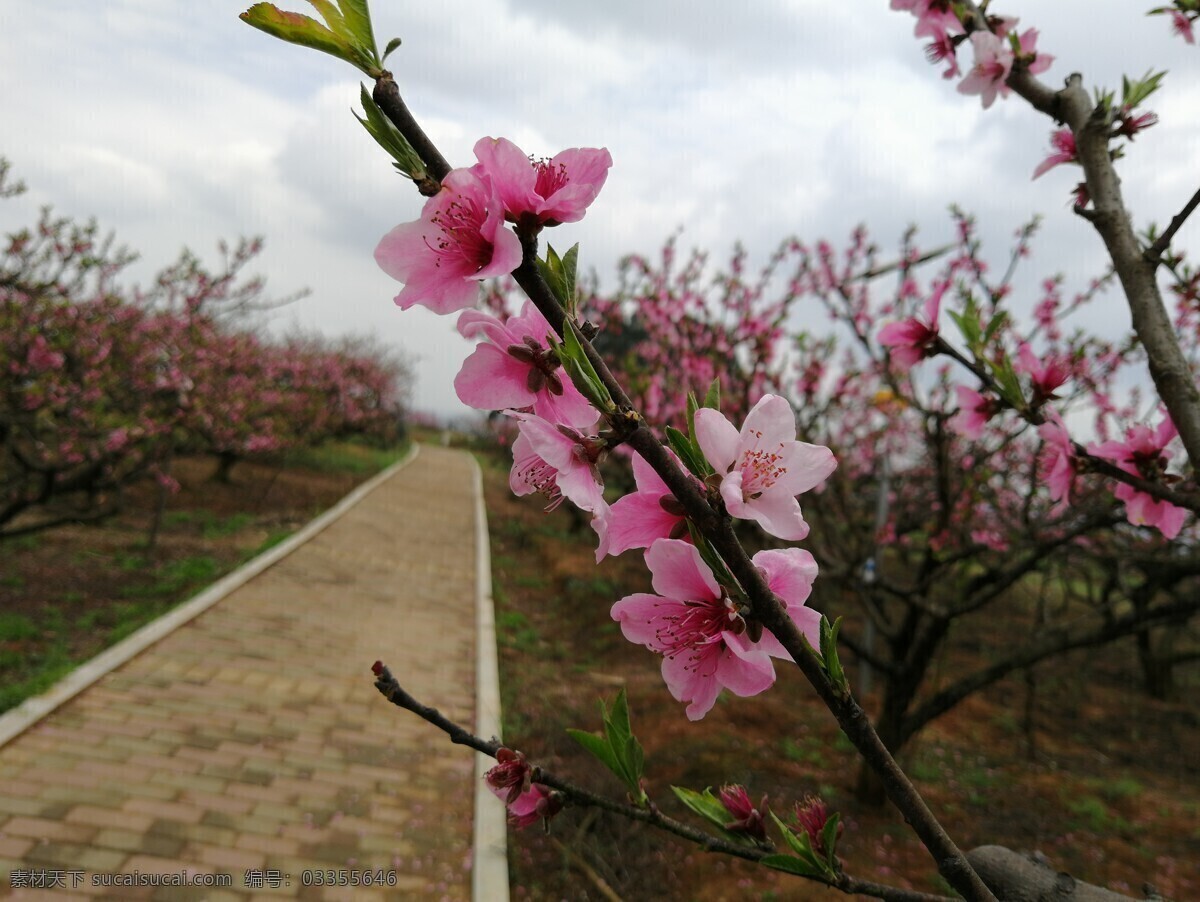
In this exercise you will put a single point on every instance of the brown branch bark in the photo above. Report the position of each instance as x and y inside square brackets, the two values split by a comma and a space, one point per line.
[1173, 378]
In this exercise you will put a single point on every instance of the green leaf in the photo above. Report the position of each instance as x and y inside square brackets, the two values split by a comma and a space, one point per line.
[829, 839]
[388, 137]
[829, 654]
[713, 560]
[713, 398]
[692, 405]
[704, 804]
[994, 326]
[793, 866]
[357, 15]
[391, 45]
[798, 843]
[687, 451]
[580, 370]
[599, 749]
[296, 28]
[340, 36]
[1133, 93]
[570, 263]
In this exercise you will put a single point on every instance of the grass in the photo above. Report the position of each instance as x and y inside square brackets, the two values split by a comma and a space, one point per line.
[42, 643]
[345, 457]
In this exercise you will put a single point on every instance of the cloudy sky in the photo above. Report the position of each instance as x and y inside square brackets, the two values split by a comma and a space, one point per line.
[175, 125]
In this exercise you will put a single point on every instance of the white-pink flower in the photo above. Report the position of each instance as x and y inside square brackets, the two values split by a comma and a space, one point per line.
[459, 241]
[993, 63]
[516, 368]
[763, 468]
[557, 461]
[547, 191]
[702, 633]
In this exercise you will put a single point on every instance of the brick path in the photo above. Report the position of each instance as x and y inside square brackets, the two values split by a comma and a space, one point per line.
[251, 738]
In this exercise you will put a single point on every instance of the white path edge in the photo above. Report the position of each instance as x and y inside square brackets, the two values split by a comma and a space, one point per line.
[489, 873]
[23, 716]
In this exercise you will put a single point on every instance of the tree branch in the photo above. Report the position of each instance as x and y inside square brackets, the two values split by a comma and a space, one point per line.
[391, 689]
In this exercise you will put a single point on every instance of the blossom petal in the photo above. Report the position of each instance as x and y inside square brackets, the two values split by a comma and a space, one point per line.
[679, 572]
[717, 437]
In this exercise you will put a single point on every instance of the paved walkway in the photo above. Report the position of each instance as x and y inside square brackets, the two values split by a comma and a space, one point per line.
[251, 741]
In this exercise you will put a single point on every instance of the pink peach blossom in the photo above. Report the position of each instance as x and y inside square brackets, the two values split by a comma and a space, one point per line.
[546, 191]
[702, 633]
[1065, 152]
[459, 241]
[993, 63]
[515, 367]
[1143, 453]
[557, 461]
[640, 518]
[913, 339]
[763, 468]
[1060, 458]
[1182, 26]
[974, 411]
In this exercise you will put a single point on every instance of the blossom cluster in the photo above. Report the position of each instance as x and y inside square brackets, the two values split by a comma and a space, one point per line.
[98, 386]
[703, 627]
[995, 54]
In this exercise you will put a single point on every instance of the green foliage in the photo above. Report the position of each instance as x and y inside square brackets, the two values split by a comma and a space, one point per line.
[618, 749]
[388, 137]
[559, 273]
[804, 859]
[580, 370]
[709, 807]
[346, 34]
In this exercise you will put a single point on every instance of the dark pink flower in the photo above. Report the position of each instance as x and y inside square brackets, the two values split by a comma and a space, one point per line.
[811, 817]
[1044, 377]
[746, 818]
[1060, 458]
[459, 241]
[1065, 152]
[914, 339]
[763, 468]
[516, 368]
[546, 191]
[1035, 62]
[537, 803]
[702, 633]
[1182, 26]
[510, 777]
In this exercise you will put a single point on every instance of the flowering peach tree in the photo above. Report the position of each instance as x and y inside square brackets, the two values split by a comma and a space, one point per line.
[100, 385]
[994, 479]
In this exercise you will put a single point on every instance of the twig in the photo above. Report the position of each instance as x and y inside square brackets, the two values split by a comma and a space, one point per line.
[1154, 252]
[391, 689]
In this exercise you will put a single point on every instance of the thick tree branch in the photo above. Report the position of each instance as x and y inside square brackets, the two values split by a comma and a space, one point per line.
[1052, 640]
[1173, 378]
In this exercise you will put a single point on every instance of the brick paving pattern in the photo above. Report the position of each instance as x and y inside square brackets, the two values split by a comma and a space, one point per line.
[251, 740]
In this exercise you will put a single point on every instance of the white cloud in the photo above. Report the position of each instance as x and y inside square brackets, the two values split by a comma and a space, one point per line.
[175, 124]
